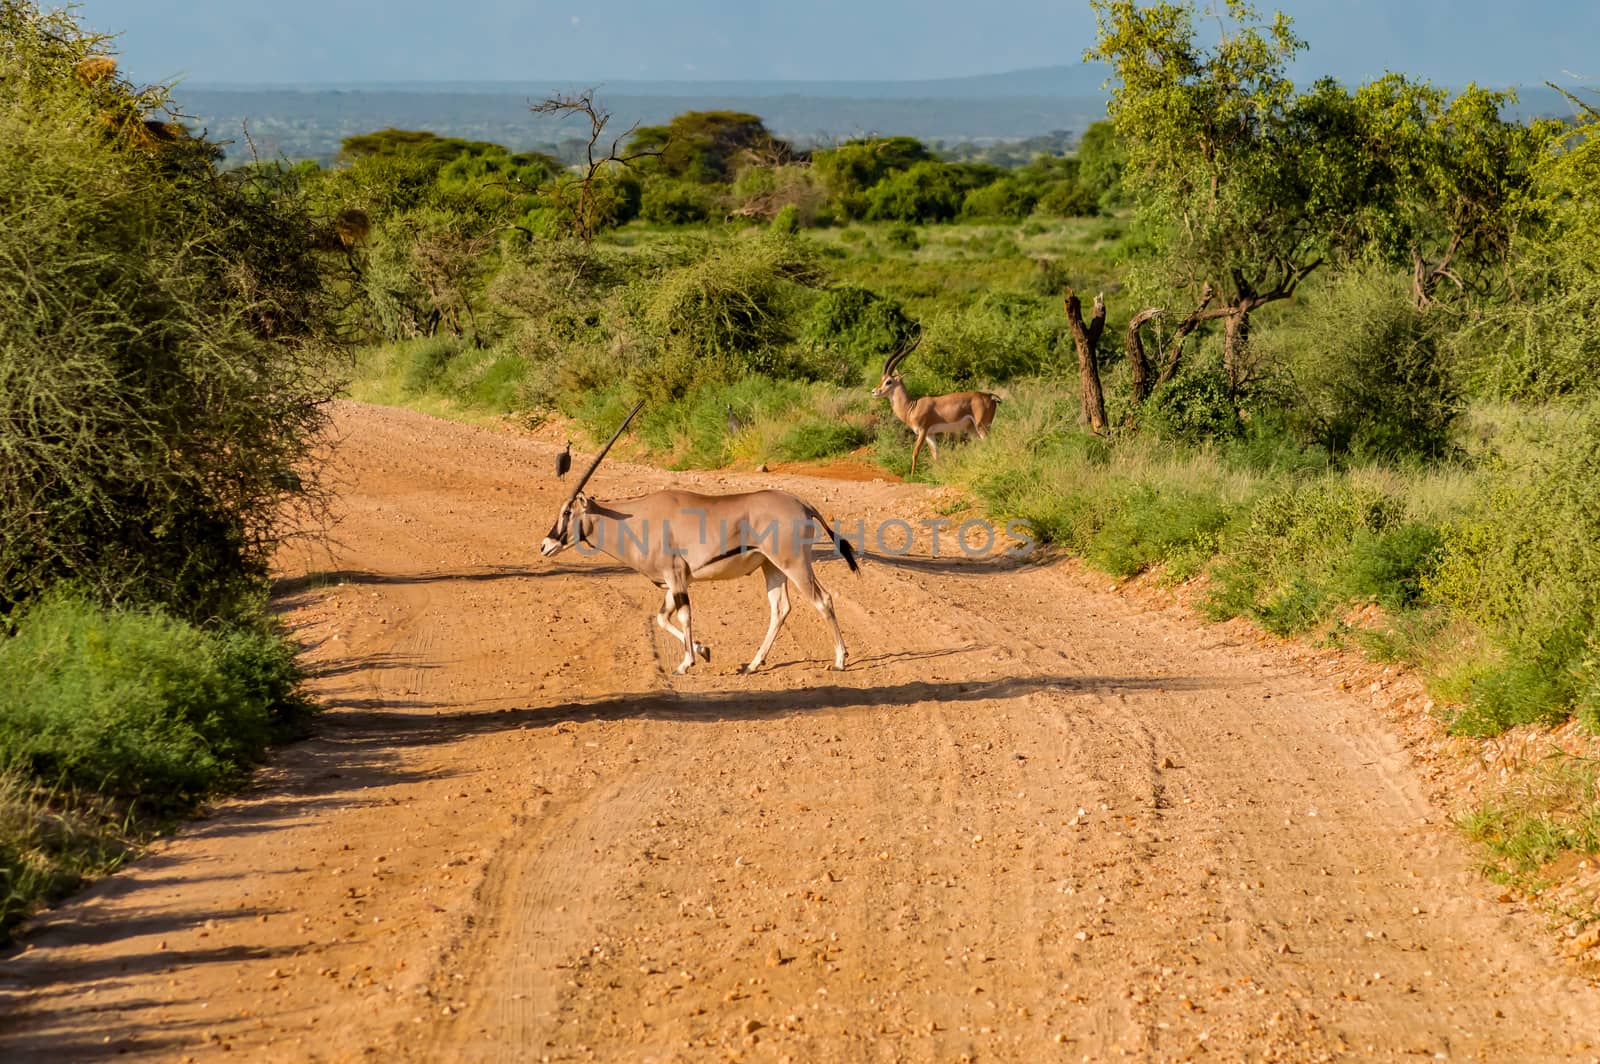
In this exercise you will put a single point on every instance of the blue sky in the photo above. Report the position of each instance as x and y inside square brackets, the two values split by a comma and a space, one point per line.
[210, 41]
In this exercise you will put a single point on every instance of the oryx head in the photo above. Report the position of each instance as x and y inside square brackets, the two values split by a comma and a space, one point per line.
[568, 528]
[891, 376]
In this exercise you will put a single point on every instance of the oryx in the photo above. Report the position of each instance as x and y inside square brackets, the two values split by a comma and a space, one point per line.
[678, 537]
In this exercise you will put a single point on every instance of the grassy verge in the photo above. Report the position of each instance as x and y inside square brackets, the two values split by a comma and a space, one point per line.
[114, 722]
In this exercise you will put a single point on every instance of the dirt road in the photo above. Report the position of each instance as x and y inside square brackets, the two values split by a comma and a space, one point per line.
[1033, 821]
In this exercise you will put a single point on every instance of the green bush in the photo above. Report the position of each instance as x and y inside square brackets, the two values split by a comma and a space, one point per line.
[1149, 524]
[139, 705]
[1367, 372]
[787, 220]
[425, 362]
[1524, 567]
[668, 202]
[161, 377]
[1284, 558]
[1389, 566]
[1010, 199]
[736, 309]
[927, 192]
[817, 438]
[902, 236]
[1069, 199]
[999, 336]
[857, 324]
[1194, 407]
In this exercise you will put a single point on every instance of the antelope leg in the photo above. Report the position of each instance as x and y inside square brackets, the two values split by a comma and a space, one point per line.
[664, 620]
[778, 599]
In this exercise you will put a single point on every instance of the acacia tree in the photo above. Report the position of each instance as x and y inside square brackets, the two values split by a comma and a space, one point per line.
[1225, 166]
[1544, 344]
[708, 147]
[1455, 175]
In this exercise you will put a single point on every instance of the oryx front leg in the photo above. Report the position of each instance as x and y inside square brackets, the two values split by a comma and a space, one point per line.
[677, 606]
[778, 599]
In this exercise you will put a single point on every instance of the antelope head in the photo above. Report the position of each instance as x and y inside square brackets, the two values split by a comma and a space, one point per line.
[891, 375]
[568, 528]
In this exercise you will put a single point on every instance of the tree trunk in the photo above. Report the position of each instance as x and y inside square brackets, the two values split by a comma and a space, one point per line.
[1138, 365]
[1235, 344]
[1087, 340]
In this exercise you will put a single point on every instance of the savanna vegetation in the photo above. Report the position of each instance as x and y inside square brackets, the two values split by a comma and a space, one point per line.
[163, 374]
[1342, 374]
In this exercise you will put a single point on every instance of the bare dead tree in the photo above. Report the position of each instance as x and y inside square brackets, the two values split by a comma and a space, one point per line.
[1138, 365]
[1086, 337]
[1087, 340]
[586, 217]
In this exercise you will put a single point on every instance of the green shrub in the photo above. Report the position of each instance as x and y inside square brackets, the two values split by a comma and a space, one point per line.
[1367, 372]
[1389, 566]
[1149, 524]
[425, 362]
[735, 309]
[1194, 407]
[139, 705]
[1301, 550]
[667, 202]
[902, 237]
[787, 220]
[1009, 199]
[1000, 336]
[816, 438]
[1524, 566]
[857, 324]
[162, 380]
[1069, 199]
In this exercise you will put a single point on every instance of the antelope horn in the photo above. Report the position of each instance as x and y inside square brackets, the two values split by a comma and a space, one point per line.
[899, 356]
[587, 473]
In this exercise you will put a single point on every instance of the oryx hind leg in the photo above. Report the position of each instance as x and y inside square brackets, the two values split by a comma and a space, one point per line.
[806, 581]
[778, 599]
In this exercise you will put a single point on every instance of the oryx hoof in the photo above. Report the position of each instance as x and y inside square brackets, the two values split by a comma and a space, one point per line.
[703, 650]
[746, 670]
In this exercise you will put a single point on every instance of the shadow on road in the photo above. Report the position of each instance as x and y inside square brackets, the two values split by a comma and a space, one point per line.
[287, 586]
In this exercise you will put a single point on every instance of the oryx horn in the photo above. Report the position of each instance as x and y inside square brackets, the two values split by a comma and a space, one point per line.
[587, 473]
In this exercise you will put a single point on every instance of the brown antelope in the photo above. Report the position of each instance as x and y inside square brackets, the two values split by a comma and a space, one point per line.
[679, 537]
[932, 415]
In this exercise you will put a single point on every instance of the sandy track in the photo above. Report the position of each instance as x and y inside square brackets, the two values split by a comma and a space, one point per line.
[1031, 822]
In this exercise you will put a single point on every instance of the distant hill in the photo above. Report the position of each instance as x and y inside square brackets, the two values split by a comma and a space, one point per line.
[1079, 80]
[309, 121]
